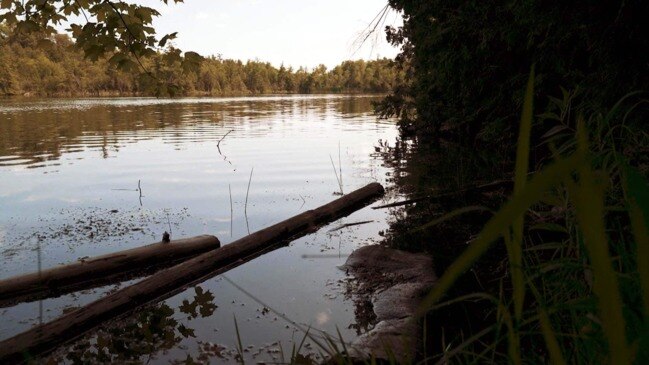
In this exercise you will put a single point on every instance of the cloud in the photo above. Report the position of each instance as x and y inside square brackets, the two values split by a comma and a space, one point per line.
[202, 16]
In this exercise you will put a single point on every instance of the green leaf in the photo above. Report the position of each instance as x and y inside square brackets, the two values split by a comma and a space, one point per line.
[27, 26]
[94, 52]
[117, 57]
[186, 332]
[166, 38]
[554, 130]
[128, 65]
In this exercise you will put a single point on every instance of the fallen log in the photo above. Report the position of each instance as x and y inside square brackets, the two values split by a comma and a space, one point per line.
[507, 184]
[166, 283]
[101, 270]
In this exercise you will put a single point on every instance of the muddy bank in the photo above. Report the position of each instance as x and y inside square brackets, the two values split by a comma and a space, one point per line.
[387, 287]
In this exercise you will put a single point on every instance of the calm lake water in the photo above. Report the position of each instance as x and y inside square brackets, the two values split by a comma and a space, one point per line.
[69, 174]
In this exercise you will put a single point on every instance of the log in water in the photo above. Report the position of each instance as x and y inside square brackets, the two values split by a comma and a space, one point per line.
[42, 339]
[101, 270]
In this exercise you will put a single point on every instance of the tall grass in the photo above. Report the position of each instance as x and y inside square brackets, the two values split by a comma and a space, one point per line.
[569, 245]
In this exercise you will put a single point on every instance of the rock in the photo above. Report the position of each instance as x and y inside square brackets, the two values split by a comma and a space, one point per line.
[400, 300]
[394, 282]
[390, 340]
[390, 261]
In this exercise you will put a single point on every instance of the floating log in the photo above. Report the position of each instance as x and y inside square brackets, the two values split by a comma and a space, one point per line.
[101, 270]
[168, 282]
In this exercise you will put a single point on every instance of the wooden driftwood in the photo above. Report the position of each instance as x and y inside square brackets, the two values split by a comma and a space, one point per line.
[168, 282]
[495, 185]
[101, 270]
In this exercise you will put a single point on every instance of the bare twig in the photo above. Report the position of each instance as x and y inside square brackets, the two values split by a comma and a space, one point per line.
[348, 225]
[340, 184]
[372, 29]
[323, 335]
[303, 201]
[121, 17]
[218, 144]
[485, 187]
[340, 168]
[40, 302]
[245, 206]
[169, 224]
[82, 10]
[139, 188]
[323, 256]
[231, 210]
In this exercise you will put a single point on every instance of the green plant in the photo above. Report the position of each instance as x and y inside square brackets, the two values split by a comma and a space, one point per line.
[577, 274]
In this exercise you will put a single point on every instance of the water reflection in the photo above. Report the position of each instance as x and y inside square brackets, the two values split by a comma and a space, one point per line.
[143, 335]
[68, 162]
[38, 134]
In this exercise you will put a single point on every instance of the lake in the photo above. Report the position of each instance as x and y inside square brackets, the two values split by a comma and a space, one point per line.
[84, 177]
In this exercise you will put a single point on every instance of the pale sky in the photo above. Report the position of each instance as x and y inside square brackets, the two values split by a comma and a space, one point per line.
[295, 32]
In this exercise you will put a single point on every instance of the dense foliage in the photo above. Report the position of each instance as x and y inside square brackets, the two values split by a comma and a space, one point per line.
[547, 264]
[117, 29]
[471, 58]
[58, 67]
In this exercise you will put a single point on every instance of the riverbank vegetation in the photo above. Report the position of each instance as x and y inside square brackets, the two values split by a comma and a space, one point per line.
[524, 131]
[525, 141]
[51, 65]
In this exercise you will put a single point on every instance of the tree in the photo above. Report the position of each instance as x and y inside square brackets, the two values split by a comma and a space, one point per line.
[470, 59]
[118, 30]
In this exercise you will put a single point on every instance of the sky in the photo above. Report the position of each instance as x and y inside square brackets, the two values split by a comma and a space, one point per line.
[293, 32]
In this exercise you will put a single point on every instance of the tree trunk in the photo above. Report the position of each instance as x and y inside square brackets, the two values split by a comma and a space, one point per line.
[168, 282]
[101, 270]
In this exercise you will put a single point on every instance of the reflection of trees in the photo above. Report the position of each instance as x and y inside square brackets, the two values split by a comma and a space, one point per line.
[142, 335]
[444, 169]
[421, 169]
[42, 136]
[353, 106]
[45, 135]
[202, 304]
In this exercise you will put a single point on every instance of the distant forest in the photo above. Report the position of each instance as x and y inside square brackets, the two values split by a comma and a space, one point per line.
[40, 65]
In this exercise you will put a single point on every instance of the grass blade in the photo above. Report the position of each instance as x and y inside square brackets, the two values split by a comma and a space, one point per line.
[515, 246]
[239, 345]
[588, 197]
[245, 206]
[550, 339]
[532, 193]
[452, 214]
[338, 179]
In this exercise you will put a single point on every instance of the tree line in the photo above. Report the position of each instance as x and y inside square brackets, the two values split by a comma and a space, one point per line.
[33, 63]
